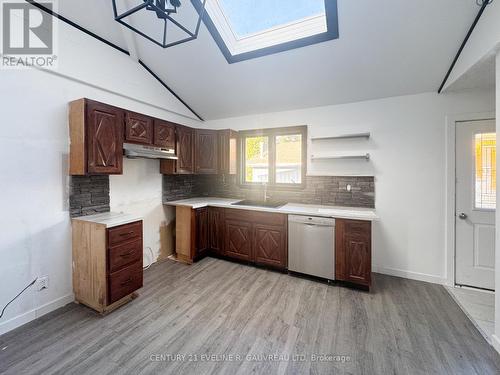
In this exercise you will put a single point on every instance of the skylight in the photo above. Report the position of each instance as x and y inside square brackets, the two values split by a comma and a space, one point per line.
[246, 29]
[247, 17]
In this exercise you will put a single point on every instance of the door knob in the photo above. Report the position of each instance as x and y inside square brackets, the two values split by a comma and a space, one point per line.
[462, 216]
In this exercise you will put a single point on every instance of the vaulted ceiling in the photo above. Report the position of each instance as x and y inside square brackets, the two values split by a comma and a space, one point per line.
[385, 48]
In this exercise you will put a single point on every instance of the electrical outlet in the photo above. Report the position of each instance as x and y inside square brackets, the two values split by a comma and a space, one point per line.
[42, 283]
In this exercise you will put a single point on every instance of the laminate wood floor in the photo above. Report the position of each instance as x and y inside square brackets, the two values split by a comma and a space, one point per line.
[217, 317]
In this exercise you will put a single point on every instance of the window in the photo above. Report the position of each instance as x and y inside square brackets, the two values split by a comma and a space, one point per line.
[257, 159]
[485, 171]
[246, 29]
[274, 156]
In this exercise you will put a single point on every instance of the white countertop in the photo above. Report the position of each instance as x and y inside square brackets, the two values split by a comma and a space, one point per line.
[110, 219]
[353, 213]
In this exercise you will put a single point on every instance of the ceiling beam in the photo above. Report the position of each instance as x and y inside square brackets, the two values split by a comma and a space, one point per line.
[122, 50]
[464, 43]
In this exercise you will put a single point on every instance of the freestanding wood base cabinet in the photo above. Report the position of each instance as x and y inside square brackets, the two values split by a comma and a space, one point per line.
[107, 263]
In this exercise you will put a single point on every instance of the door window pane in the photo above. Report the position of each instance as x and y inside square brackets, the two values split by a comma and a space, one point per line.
[289, 159]
[486, 171]
[257, 159]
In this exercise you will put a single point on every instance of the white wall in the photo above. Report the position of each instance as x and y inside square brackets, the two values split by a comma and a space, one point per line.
[483, 41]
[139, 191]
[408, 161]
[34, 144]
[496, 336]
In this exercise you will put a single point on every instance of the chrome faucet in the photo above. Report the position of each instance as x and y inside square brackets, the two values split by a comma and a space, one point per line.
[266, 197]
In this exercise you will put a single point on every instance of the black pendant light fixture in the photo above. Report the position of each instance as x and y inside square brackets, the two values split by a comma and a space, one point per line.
[164, 12]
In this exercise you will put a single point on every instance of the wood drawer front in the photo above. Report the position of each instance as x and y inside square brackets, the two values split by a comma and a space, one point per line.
[124, 282]
[123, 233]
[255, 216]
[122, 255]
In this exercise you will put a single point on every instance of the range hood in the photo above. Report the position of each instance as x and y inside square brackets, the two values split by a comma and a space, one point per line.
[133, 151]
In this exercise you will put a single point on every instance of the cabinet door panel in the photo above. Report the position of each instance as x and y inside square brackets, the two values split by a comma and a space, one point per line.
[353, 251]
[227, 152]
[185, 150]
[138, 128]
[105, 139]
[206, 151]
[238, 240]
[270, 245]
[164, 134]
[215, 230]
[201, 232]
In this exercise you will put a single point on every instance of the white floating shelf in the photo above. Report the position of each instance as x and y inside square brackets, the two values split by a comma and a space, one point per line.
[344, 136]
[341, 156]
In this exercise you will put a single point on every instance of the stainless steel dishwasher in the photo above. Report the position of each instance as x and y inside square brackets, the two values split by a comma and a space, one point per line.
[311, 246]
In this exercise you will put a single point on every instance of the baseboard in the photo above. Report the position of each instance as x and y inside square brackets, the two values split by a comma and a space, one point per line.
[28, 316]
[495, 342]
[410, 275]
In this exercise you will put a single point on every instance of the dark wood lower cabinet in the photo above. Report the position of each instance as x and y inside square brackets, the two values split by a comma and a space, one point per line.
[270, 244]
[353, 251]
[201, 220]
[238, 240]
[249, 236]
[107, 263]
[256, 237]
[262, 238]
[216, 230]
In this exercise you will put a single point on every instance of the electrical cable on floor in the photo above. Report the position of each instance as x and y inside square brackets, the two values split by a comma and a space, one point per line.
[13, 299]
[150, 260]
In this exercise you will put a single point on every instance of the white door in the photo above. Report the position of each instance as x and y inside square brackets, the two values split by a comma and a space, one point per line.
[475, 204]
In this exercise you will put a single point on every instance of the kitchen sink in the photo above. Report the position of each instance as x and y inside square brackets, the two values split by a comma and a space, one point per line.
[258, 203]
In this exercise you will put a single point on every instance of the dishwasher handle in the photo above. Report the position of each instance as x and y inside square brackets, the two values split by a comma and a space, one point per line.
[312, 220]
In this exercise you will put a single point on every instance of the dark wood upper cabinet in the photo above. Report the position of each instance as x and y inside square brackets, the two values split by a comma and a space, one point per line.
[164, 134]
[138, 128]
[104, 135]
[205, 151]
[215, 230]
[98, 131]
[185, 150]
[353, 251]
[227, 151]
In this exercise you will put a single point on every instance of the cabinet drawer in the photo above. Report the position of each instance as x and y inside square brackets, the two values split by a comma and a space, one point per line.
[120, 256]
[124, 233]
[124, 282]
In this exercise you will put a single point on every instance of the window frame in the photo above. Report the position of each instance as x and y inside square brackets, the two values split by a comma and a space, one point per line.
[272, 133]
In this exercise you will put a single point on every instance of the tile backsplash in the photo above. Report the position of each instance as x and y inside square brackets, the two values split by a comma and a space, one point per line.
[324, 190]
[88, 195]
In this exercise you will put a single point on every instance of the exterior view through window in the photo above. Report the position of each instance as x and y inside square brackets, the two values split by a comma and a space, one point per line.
[257, 159]
[486, 171]
[289, 159]
[274, 156]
